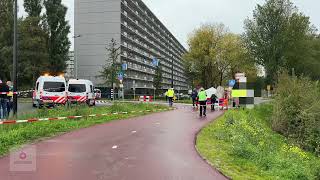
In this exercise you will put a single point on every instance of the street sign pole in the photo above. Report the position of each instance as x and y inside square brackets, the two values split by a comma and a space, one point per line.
[15, 48]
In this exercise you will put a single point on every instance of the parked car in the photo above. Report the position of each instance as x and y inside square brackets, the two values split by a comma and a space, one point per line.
[81, 91]
[49, 91]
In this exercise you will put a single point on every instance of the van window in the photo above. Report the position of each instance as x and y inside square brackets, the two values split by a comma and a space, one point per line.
[37, 86]
[54, 86]
[91, 88]
[77, 88]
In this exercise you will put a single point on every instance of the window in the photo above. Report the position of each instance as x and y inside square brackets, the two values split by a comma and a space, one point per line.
[37, 86]
[91, 88]
[77, 88]
[54, 86]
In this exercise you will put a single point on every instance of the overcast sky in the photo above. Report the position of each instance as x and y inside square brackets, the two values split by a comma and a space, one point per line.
[182, 16]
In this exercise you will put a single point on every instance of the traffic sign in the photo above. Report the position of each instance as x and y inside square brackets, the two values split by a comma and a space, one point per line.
[155, 62]
[232, 83]
[124, 67]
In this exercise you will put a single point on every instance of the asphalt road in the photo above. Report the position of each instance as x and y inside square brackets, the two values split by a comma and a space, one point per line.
[159, 146]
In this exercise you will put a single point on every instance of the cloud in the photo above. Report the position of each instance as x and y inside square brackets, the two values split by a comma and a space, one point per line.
[181, 17]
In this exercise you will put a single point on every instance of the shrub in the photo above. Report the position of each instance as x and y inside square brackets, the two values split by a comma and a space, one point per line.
[296, 112]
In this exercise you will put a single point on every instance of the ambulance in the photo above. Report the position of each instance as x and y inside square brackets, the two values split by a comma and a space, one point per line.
[81, 91]
[49, 91]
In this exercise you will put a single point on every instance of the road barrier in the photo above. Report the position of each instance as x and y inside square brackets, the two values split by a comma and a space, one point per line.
[146, 98]
[78, 117]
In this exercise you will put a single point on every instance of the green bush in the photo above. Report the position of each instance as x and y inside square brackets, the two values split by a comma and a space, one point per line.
[296, 112]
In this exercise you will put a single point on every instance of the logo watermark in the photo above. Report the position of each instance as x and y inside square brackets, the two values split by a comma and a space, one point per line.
[23, 160]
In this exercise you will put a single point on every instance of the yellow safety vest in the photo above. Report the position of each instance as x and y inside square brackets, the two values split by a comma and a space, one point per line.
[202, 96]
[10, 94]
[170, 93]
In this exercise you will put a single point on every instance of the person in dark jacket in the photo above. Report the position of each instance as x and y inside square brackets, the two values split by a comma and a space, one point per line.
[4, 89]
[194, 96]
[213, 101]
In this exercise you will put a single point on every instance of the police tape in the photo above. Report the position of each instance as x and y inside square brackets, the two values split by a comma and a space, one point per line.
[6, 93]
[6, 122]
[26, 91]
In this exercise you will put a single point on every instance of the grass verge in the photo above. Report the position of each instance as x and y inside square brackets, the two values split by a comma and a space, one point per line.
[13, 136]
[242, 145]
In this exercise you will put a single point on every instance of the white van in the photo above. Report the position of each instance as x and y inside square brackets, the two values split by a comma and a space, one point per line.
[49, 91]
[81, 91]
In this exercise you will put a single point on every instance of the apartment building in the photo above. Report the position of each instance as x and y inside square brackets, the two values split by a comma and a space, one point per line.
[140, 35]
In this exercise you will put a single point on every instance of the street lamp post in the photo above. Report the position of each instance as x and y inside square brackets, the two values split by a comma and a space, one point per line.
[171, 70]
[75, 56]
[15, 48]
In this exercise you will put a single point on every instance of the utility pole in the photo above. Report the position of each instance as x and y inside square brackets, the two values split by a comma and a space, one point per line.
[75, 55]
[171, 70]
[15, 48]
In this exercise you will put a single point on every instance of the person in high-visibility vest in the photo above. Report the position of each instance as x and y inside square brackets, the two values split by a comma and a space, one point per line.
[170, 95]
[202, 95]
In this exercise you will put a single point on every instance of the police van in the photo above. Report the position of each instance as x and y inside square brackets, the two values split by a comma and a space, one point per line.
[49, 91]
[81, 91]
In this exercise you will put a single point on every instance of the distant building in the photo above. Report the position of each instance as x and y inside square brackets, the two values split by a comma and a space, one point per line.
[70, 69]
[140, 34]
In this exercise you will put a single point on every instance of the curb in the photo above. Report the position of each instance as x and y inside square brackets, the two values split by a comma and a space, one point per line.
[78, 117]
[198, 152]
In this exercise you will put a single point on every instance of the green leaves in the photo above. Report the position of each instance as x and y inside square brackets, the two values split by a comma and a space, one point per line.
[157, 80]
[296, 111]
[278, 38]
[216, 55]
[110, 69]
[58, 30]
[42, 39]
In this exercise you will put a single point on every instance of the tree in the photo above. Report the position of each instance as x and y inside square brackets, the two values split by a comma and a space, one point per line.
[58, 30]
[157, 80]
[33, 36]
[33, 7]
[33, 51]
[215, 55]
[276, 36]
[6, 38]
[108, 72]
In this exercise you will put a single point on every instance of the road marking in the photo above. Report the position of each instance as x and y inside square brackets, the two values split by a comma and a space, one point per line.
[134, 132]
[114, 147]
[157, 123]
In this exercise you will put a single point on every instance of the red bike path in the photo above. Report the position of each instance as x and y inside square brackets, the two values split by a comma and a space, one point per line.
[158, 146]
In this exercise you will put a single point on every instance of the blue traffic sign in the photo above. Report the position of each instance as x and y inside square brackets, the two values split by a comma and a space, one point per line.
[124, 67]
[232, 83]
[155, 62]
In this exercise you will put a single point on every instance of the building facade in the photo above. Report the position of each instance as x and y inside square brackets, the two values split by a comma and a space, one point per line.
[140, 35]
